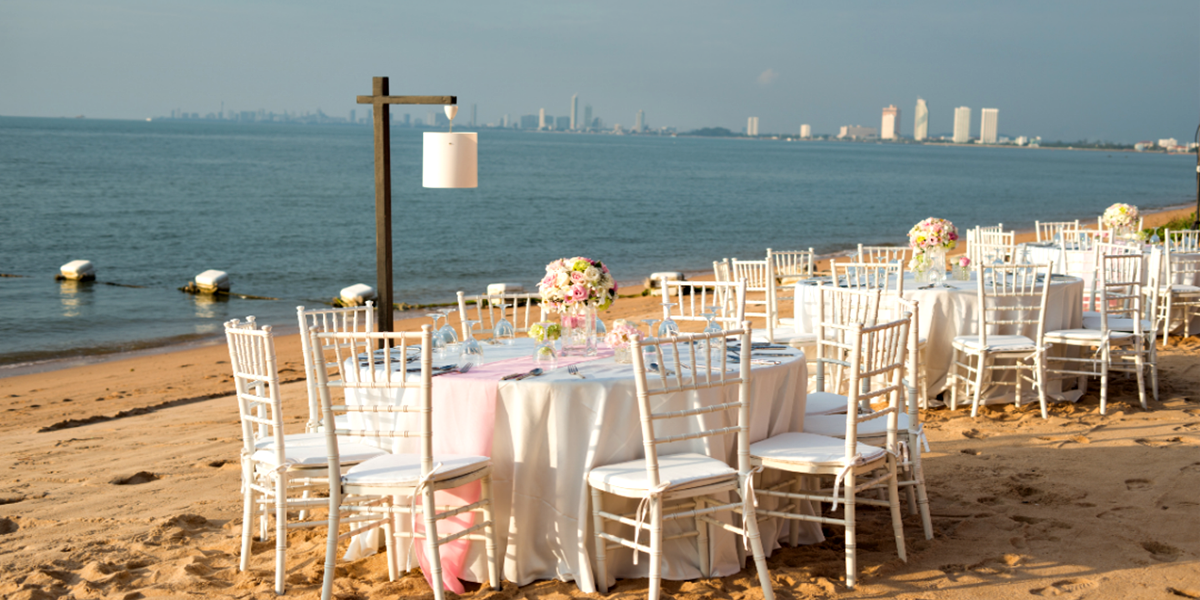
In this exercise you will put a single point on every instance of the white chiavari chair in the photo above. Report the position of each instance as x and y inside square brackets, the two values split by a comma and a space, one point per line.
[883, 254]
[1012, 300]
[722, 271]
[359, 318]
[838, 310]
[1180, 290]
[1053, 231]
[991, 248]
[792, 264]
[692, 299]
[1119, 296]
[696, 367]
[523, 310]
[762, 300]
[997, 228]
[278, 470]
[1187, 240]
[413, 475]
[874, 352]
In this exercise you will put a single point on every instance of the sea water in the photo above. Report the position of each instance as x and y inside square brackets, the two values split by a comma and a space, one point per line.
[288, 212]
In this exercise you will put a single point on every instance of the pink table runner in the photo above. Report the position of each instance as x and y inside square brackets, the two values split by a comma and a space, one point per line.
[464, 418]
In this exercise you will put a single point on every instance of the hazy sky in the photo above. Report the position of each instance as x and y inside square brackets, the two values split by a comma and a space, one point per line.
[1100, 69]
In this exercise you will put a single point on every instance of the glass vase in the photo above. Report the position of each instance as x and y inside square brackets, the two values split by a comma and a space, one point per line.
[936, 265]
[578, 323]
[622, 355]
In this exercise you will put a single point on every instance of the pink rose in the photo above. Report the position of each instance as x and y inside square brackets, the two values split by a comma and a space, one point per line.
[578, 293]
[576, 277]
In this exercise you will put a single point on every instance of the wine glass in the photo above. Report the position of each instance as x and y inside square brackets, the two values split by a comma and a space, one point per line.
[545, 356]
[668, 327]
[471, 350]
[600, 328]
[449, 336]
[649, 350]
[503, 332]
[437, 345]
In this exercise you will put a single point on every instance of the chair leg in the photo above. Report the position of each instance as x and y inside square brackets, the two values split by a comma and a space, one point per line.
[248, 509]
[601, 543]
[281, 481]
[953, 375]
[1106, 357]
[331, 538]
[1039, 362]
[981, 369]
[793, 524]
[1153, 367]
[922, 493]
[1140, 365]
[431, 545]
[750, 527]
[894, 504]
[848, 484]
[656, 541]
[702, 540]
[489, 515]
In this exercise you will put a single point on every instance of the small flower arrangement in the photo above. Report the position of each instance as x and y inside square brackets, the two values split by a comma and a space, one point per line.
[932, 233]
[539, 333]
[1120, 216]
[964, 261]
[622, 334]
[577, 281]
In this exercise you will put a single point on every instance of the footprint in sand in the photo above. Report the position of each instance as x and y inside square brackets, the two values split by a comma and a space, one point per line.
[1189, 427]
[8, 526]
[10, 499]
[1138, 485]
[970, 451]
[1066, 586]
[136, 479]
[1119, 512]
[975, 434]
[1159, 443]
[1161, 551]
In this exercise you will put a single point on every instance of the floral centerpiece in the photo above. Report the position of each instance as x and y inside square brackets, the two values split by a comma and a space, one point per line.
[1120, 216]
[930, 240]
[576, 288]
[962, 268]
[621, 337]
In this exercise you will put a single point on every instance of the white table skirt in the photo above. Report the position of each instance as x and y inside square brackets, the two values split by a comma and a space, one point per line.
[949, 312]
[551, 430]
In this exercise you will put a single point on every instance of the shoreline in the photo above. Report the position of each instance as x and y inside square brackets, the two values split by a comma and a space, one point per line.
[1153, 218]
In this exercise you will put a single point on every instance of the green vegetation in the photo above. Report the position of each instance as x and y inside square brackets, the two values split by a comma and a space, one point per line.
[1097, 145]
[1175, 224]
[712, 132]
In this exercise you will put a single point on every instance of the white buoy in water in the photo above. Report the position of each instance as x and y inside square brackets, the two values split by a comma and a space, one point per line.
[80, 270]
[357, 294]
[505, 288]
[212, 281]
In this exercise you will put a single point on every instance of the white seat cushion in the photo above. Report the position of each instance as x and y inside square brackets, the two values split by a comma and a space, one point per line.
[307, 450]
[1086, 336]
[405, 469]
[785, 335]
[996, 343]
[825, 403]
[1179, 288]
[835, 425]
[682, 471]
[810, 448]
[1092, 321]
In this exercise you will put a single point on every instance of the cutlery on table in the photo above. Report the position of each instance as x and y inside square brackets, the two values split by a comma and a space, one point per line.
[519, 376]
[455, 369]
[574, 370]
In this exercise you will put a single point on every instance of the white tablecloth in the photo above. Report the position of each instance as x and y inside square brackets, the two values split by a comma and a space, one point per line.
[950, 312]
[551, 430]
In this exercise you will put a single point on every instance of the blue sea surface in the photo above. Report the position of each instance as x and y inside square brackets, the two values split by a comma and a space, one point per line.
[288, 212]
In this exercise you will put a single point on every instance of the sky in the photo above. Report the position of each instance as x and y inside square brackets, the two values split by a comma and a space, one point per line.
[1066, 70]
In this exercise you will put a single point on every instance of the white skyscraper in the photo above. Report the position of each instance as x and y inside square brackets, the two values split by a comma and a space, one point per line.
[921, 124]
[890, 128]
[639, 123]
[988, 121]
[752, 126]
[962, 125]
[806, 131]
[574, 112]
[541, 119]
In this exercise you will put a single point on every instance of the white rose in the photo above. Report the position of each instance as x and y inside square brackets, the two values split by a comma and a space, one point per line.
[591, 274]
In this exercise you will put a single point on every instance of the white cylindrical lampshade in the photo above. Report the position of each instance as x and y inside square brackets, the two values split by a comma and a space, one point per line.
[450, 160]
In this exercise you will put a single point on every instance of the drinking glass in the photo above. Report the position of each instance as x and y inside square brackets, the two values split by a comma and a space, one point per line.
[437, 345]
[600, 328]
[545, 356]
[449, 336]
[471, 350]
[503, 332]
[649, 350]
[668, 327]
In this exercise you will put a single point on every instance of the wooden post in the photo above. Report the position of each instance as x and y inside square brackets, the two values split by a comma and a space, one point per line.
[380, 100]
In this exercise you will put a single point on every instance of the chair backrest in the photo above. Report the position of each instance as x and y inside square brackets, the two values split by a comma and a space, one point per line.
[359, 318]
[1085, 239]
[913, 368]
[1046, 231]
[692, 298]
[256, 379]
[1182, 267]
[688, 365]
[1187, 240]
[888, 278]
[1119, 286]
[876, 353]
[380, 364]
[524, 310]
[1153, 287]
[992, 247]
[759, 276]
[1012, 299]
[997, 228]
[838, 310]
[792, 263]
[883, 254]
[722, 271]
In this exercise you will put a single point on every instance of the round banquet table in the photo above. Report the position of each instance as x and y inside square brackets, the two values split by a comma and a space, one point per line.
[951, 310]
[547, 432]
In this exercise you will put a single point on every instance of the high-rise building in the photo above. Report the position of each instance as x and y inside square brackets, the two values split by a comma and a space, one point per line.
[921, 123]
[562, 123]
[752, 126]
[575, 112]
[890, 128]
[857, 131]
[504, 121]
[587, 116]
[352, 111]
[806, 131]
[962, 125]
[639, 123]
[541, 119]
[988, 120]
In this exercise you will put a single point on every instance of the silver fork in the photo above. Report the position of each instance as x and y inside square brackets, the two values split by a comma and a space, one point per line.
[574, 370]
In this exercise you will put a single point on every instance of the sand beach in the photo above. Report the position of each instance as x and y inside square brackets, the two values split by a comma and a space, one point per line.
[121, 480]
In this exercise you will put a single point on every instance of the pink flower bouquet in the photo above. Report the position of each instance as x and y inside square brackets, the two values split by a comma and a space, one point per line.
[579, 281]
